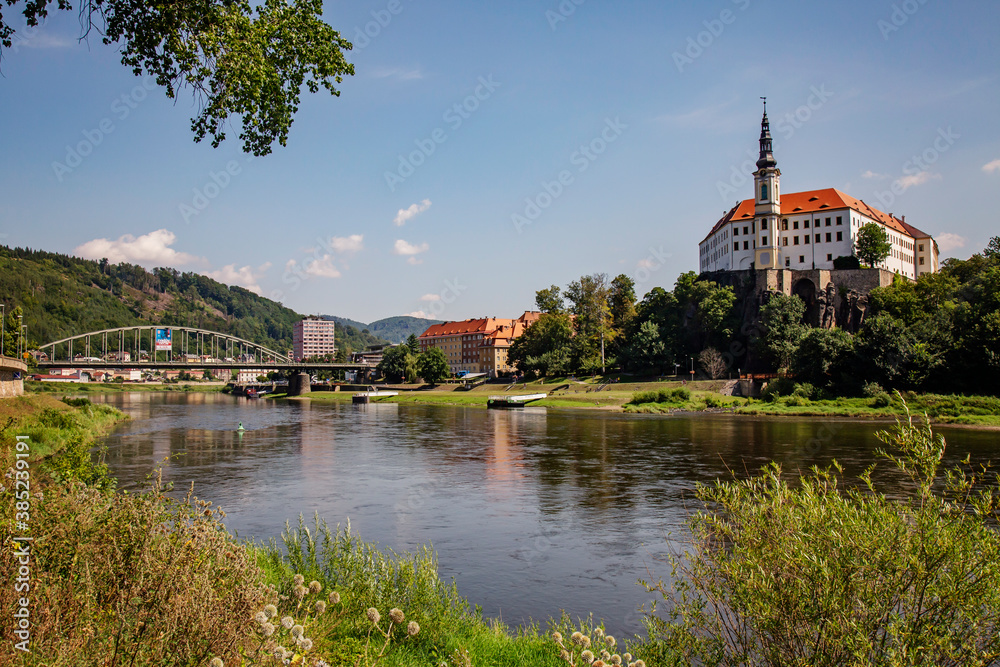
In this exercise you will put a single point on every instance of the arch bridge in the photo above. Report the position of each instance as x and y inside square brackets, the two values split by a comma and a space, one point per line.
[171, 347]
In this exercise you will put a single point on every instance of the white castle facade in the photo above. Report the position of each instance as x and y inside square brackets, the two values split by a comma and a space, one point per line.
[805, 230]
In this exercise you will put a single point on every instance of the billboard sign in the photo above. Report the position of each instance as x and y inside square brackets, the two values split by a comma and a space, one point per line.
[163, 341]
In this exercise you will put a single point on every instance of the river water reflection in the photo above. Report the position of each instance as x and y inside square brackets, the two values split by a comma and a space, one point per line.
[531, 511]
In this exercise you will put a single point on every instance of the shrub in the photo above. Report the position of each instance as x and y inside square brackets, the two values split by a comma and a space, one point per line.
[809, 574]
[804, 390]
[872, 389]
[678, 396]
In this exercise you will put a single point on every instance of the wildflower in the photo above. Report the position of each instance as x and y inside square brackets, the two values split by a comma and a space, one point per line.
[605, 655]
[585, 642]
[627, 657]
[616, 660]
[565, 655]
[307, 644]
[298, 580]
[315, 586]
[557, 636]
[320, 606]
[576, 638]
[279, 652]
[260, 617]
[334, 597]
[216, 662]
[287, 622]
[412, 628]
[396, 615]
[598, 632]
[270, 610]
[268, 629]
[373, 615]
[297, 631]
[610, 640]
[300, 591]
[587, 657]
[600, 663]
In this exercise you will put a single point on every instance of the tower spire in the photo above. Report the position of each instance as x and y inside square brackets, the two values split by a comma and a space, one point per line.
[766, 155]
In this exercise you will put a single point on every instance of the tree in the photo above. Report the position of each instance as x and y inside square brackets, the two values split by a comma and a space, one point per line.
[621, 302]
[992, 250]
[589, 299]
[712, 361]
[397, 364]
[238, 58]
[432, 365]
[543, 345]
[872, 244]
[550, 300]
[414, 344]
[646, 349]
[822, 358]
[781, 329]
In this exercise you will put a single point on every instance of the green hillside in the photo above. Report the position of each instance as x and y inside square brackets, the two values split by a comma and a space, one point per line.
[393, 329]
[62, 295]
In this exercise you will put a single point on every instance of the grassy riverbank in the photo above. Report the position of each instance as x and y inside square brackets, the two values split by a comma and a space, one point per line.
[33, 387]
[701, 396]
[144, 579]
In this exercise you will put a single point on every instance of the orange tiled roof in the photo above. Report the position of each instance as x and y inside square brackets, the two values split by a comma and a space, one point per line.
[480, 325]
[813, 201]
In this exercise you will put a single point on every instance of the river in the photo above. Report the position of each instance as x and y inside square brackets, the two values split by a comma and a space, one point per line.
[530, 511]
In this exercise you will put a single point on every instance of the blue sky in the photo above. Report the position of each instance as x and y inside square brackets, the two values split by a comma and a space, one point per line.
[485, 150]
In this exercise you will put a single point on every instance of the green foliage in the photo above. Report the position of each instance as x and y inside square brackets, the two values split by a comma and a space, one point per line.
[781, 329]
[398, 365]
[432, 365]
[871, 244]
[413, 343]
[810, 574]
[677, 396]
[544, 348]
[646, 349]
[239, 59]
[846, 262]
[550, 301]
[822, 358]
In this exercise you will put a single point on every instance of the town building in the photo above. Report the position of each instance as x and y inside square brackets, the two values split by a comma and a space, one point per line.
[806, 230]
[313, 337]
[372, 354]
[477, 345]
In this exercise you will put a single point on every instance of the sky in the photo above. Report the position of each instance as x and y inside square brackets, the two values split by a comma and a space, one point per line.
[486, 150]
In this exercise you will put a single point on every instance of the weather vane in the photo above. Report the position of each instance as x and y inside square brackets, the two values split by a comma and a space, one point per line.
[765, 104]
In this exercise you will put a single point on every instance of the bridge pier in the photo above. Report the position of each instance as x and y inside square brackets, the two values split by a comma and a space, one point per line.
[12, 374]
[299, 384]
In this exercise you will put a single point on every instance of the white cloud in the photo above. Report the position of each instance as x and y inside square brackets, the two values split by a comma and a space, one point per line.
[401, 247]
[647, 263]
[414, 261]
[244, 276]
[431, 297]
[990, 167]
[344, 244]
[872, 174]
[948, 242]
[419, 313]
[913, 180]
[322, 267]
[406, 214]
[149, 249]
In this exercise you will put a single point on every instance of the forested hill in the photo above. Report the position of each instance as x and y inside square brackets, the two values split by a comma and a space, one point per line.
[63, 295]
[393, 329]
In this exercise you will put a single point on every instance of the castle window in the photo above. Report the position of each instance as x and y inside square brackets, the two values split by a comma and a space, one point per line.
[802, 260]
[745, 232]
[784, 240]
[828, 237]
[746, 245]
[828, 222]
[788, 261]
[921, 261]
[807, 224]
[763, 192]
[736, 231]
[784, 225]
[829, 257]
[736, 246]
[840, 236]
[795, 224]
[763, 240]
[840, 219]
[920, 247]
[817, 238]
[763, 225]
[795, 241]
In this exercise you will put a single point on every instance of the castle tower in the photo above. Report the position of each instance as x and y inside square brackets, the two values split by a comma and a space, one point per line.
[767, 202]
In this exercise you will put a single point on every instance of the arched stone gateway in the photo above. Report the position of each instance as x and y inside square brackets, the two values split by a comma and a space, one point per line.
[805, 289]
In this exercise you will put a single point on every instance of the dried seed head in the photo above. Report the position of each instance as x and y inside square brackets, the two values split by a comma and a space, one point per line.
[611, 640]
[297, 631]
[268, 629]
[216, 662]
[587, 657]
[260, 617]
[616, 660]
[373, 615]
[627, 657]
[396, 615]
[320, 606]
[287, 622]
[334, 597]
[576, 638]
[315, 586]
[300, 591]
[412, 628]
[270, 610]
[298, 580]
[598, 632]
[564, 654]
[307, 644]
[557, 636]
[600, 663]
[585, 642]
